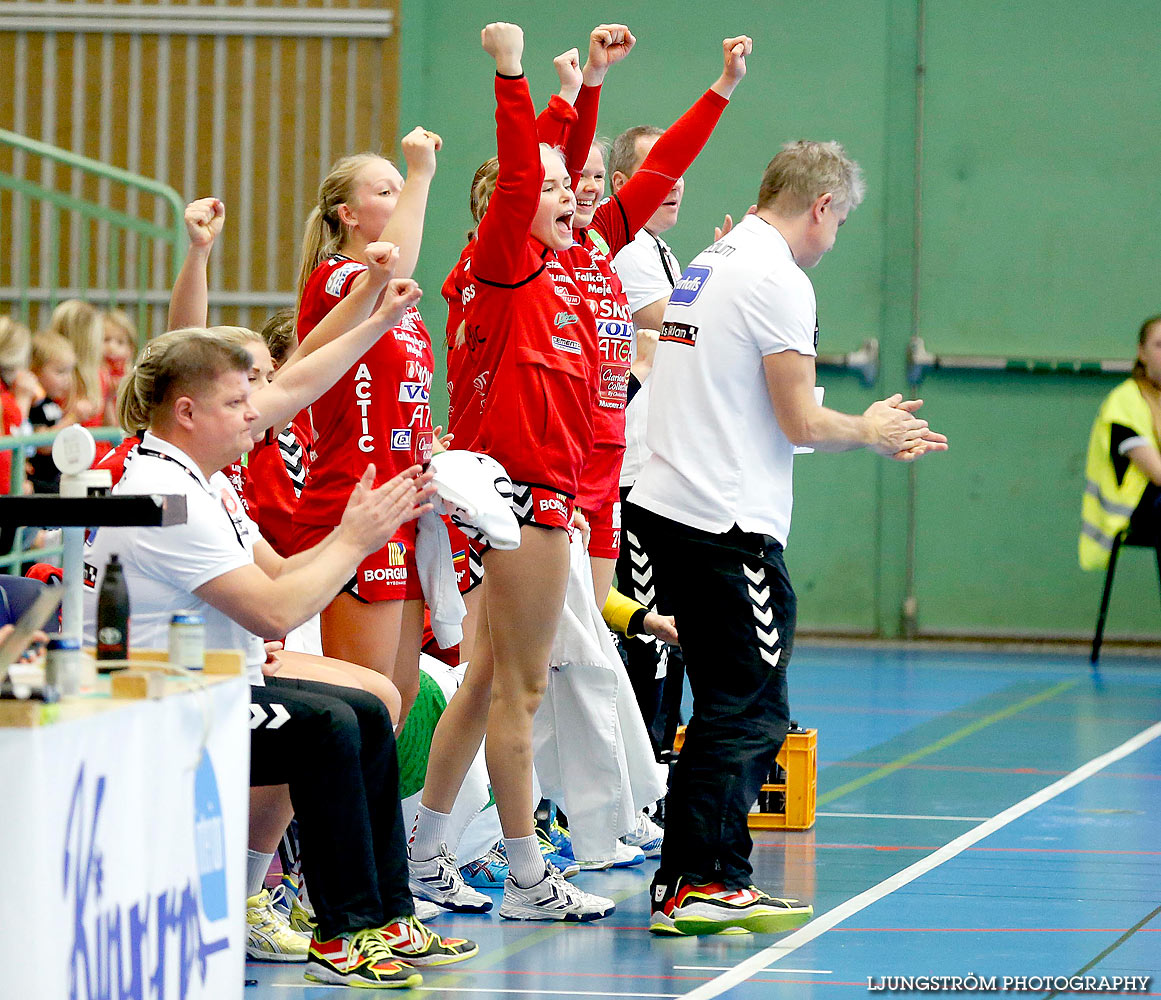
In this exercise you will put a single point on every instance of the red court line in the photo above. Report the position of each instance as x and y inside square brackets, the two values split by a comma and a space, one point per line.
[925, 847]
[994, 930]
[626, 975]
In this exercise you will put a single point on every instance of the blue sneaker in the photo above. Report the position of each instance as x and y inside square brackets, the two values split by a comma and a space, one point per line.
[489, 871]
[647, 836]
[560, 839]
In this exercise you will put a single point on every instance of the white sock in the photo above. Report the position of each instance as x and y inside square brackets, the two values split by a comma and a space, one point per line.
[431, 830]
[257, 865]
[525, 862]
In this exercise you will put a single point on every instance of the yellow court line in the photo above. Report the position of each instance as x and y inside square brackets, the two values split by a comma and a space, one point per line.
[944, 742]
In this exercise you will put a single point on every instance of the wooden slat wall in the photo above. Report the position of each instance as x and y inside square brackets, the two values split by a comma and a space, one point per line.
[255, 121]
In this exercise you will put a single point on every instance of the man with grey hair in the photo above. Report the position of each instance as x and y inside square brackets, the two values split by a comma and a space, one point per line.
[733, 395]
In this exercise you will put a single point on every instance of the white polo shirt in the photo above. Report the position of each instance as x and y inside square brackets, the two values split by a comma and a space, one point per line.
[164, 566]
[719, 456]
[647, 269]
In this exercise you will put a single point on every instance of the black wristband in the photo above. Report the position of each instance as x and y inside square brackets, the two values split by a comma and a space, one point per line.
[502, 76]
[637, 623]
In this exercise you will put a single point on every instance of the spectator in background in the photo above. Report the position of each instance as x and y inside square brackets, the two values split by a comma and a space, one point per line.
[119, 351]
[1123, 470]
[82, 326]
[54, 364]
[17, 391]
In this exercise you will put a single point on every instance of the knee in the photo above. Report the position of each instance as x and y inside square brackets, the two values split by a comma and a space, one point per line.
[386, 691]
[520, 694]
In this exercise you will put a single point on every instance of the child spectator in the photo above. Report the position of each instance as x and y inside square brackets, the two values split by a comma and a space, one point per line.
[54, 364]
[119, 352]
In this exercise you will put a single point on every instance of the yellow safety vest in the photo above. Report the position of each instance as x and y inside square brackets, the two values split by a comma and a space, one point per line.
[1107, 504]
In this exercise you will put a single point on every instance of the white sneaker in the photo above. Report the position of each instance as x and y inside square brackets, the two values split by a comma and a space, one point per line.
[439, 881]
[269, 937]
[625, 856]
[424, 910]
[647, 835]
[552, 898]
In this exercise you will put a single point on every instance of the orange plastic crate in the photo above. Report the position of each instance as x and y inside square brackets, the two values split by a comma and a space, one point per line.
[799, 759]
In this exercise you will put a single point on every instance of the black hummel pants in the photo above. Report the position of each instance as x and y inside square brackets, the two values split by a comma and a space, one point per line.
[658, 697]
[735, 612]
[335, 747]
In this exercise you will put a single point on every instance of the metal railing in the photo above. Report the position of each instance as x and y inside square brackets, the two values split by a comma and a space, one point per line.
[17, 445]
[126, 254]
[921, 361]
[864, 361]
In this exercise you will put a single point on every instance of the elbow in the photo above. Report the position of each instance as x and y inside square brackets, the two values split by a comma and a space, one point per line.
[798, 431]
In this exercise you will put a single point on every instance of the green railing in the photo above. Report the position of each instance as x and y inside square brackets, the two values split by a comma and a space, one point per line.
[114, 245]
[17, 444]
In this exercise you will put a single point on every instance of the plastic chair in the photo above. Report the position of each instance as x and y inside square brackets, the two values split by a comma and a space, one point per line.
[16, 594]
[1126, 537]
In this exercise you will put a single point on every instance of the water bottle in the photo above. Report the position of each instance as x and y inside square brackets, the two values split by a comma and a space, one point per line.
[113, 613]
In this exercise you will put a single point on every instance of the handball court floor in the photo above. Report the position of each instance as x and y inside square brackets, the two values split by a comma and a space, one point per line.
[997, 814]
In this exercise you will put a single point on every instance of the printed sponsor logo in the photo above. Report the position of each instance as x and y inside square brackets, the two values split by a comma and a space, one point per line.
[552, 264]
[610, 308]
[566, 345]
[564, 319]
[590, 274]
[381, 575]
[339, 277]
[396, 553]
[553, 503]
[620, 328]
[467, 294]
[688, 287]
[614, 386]
[566, 295]
[721, 247]
[401, 439]
[90, 576]
[480, 383]
[679, 333]
[413, 392]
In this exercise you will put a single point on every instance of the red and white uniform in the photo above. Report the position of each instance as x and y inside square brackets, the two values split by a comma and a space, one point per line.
[276, 472]
[378, 411]
[616, 222]
[531, 345]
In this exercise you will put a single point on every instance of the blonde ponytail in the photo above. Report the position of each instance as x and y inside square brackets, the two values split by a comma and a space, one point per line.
[325, 233]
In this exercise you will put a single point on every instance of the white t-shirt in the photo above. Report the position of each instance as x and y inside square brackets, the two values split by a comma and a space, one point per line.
[647, 269]
[164, 566]
[719, 456]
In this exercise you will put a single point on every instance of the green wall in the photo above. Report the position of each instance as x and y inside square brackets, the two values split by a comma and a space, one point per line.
[1033, 230]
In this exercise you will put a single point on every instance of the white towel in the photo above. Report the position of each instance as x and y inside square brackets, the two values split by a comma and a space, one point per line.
[437, 575]
[591, 748]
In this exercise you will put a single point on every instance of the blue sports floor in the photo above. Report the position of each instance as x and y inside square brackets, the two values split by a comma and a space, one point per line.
[917, 750]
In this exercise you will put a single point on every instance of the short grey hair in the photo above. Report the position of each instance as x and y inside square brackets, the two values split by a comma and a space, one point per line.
[804, 170]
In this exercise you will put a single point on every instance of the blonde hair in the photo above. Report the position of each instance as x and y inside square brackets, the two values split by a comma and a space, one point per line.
[803, 171]
[82, 325]
[47, 347]
[15, 345]
[120, 318]
[483, 184]
[177, 362]
[325, 231]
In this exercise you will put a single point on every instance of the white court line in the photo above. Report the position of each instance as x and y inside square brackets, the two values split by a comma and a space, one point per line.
[727, 968]
[961, 819]
[819, 926]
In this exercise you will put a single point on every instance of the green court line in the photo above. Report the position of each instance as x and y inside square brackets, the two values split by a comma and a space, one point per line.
[974, 727]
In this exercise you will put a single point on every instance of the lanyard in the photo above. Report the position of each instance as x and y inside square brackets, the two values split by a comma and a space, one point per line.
[664, 259]
[142, 450]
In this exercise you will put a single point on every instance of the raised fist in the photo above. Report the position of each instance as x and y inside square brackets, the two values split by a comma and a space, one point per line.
[419, 149]
[504, 42]
[204, 219]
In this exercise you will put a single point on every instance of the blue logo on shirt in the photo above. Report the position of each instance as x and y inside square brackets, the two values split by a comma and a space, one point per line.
[688, 287]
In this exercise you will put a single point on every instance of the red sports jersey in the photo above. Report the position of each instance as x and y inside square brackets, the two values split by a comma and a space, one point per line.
[530, 335]
[276, 475]
[453, 294]
[590, 262]
[11, 418]
[116, 460]
[378, 411]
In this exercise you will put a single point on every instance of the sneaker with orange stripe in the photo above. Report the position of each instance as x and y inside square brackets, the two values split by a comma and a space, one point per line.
[410, 941]
[687, 907]
[360, 958]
